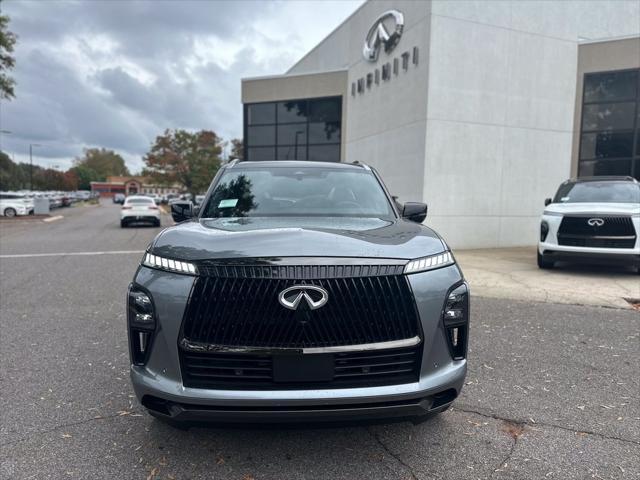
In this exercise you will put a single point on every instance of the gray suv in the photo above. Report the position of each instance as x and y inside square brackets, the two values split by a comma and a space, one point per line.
[297, 292]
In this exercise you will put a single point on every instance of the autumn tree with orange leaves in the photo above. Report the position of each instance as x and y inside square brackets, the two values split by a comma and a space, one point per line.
[185, 158]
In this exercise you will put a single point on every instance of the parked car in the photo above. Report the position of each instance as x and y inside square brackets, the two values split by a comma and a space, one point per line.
[139, 209]
[12, 204]
[298, 293]
[592, 220]
[198, 200]
[119, 198]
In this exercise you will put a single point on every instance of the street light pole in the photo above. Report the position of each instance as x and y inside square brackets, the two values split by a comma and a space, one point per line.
[31, 145]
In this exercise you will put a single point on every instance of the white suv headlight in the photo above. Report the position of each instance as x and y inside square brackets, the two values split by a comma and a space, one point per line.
[431, 262]
[178, 266]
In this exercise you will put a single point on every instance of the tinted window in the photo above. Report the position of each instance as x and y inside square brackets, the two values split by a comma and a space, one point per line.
[608, 116]
[260, 113]
[598, 192]
[292, 111]
[139, 201]
[261, 153]
[606, 145]
[298, 192]
[324, 153]
[292, 134]
[262, 135]
[610, 86]
[291, 152]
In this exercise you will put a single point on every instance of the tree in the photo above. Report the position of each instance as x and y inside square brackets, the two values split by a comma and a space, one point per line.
[84, 175]
[103, 162]
[185, 158]
[7, 42]
[237, 149]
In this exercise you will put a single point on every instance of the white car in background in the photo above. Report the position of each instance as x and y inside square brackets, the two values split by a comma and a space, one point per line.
[12, 204]
[592, 220]
[139, 209]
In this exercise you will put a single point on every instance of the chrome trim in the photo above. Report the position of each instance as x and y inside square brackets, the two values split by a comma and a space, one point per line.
[208, 347]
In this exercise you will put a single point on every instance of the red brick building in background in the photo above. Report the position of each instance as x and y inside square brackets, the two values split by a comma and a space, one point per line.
[134, 185]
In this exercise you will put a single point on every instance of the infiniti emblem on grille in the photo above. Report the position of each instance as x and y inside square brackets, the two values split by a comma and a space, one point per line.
[595, 222]
[315, 297]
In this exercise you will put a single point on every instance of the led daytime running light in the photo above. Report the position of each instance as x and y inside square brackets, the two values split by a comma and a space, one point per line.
[155, 261]
[429, 263]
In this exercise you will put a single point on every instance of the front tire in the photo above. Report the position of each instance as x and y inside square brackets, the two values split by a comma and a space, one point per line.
[10, 212]
[544, 263]
[123, 224]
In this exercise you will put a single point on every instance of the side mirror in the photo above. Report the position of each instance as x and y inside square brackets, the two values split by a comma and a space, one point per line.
[547, 201]
[414, 211]
[181, 211]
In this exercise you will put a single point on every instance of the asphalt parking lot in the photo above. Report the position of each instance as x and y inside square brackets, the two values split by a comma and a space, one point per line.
[553, 390]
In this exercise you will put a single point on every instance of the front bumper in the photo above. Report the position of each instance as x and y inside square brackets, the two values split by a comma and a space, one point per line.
[172, 401]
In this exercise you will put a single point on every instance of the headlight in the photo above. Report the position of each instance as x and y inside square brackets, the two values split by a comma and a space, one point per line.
[455, 317]
[142, 324]
[154, 261]
[429, 263]
[552, 214]
[544, 230]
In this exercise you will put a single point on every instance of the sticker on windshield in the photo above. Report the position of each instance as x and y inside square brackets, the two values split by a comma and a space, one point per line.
[564, 199]
[228, 203]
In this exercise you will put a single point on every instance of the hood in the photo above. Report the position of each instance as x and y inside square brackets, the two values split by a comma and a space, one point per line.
[207, 239]
[594, 208]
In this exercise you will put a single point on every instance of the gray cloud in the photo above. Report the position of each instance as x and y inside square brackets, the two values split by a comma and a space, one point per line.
[116, 74]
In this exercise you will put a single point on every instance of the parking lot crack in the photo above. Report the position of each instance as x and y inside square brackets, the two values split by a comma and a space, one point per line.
[395, 456]
[65, 425]
[545, 424]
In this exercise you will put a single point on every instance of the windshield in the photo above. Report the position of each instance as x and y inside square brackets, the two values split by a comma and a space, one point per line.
[298, 192]
[598, 192]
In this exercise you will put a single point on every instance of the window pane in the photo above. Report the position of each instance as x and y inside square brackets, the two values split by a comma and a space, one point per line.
[592, 168]
[608, 116]
[261, 153]
[606, 145]
[610, 86]
[292, 111]
[291, 153]
[292, 134]
[322, 132]
[259, 113]
[324, 153]
[264, 135]
[327, 110]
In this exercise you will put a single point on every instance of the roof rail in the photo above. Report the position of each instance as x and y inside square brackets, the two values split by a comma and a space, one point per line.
[361, 164]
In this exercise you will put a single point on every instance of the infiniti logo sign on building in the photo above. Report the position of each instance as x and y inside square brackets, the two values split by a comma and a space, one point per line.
[385, 31]
[378, 35]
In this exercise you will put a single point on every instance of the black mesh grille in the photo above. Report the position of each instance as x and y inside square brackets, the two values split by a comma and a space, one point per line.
[615, 232]
[253, 371]
[238, 306]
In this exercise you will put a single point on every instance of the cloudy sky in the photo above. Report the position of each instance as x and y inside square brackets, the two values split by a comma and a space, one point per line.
[116, 73]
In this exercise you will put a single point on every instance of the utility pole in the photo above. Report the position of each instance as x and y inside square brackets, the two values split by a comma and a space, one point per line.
[31, 145]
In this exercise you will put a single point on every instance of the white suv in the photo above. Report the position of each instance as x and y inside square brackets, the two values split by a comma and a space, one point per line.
[592, 220]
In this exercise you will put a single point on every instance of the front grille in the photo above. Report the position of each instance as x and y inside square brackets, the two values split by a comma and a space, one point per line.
[255, 371]
[615, 232]
[237, 306]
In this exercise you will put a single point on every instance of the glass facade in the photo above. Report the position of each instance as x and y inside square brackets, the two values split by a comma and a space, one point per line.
[293, 130]
[610, 129]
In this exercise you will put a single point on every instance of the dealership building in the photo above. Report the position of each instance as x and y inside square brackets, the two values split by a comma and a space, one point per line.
[478, 108]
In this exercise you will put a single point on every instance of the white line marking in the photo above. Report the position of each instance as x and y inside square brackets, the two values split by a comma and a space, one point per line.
[71, 254]
[53, 219]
